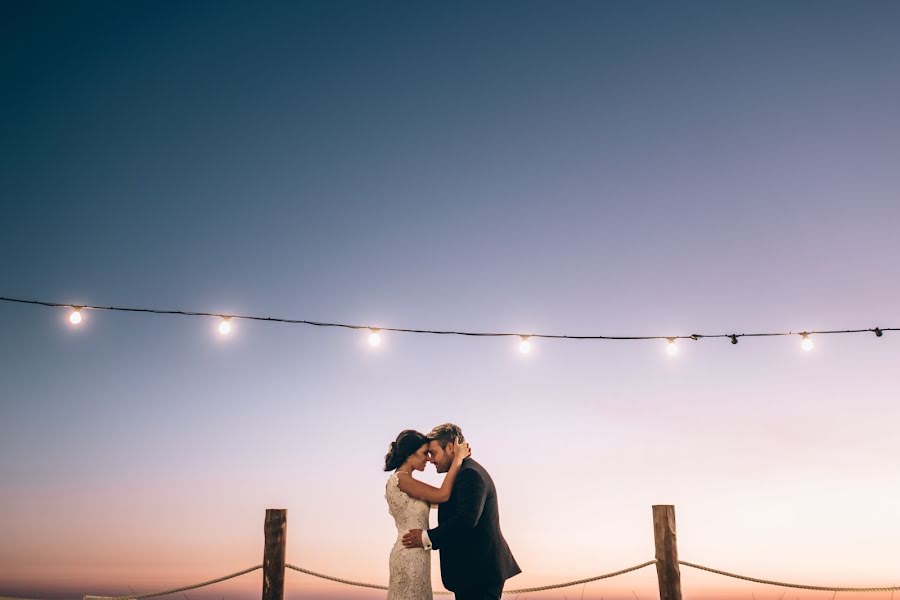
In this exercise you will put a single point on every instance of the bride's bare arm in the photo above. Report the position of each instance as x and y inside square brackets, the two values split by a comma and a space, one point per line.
[429, 493]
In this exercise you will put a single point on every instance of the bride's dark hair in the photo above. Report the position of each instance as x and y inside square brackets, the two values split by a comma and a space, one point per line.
[405, 446]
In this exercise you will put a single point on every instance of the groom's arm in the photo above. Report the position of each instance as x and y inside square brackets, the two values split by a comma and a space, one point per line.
[471, 493]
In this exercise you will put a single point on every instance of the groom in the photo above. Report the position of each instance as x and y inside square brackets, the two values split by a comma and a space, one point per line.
[475, 559]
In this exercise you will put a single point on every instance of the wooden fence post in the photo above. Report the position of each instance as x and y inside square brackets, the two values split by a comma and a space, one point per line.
[667, 570]
[273, 554]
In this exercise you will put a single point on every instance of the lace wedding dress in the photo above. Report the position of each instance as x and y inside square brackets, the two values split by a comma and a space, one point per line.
[410, 568]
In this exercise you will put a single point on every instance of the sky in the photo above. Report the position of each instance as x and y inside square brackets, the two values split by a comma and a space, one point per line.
[580, 168]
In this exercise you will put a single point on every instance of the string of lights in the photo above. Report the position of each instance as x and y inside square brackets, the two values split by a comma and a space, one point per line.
[375, 332]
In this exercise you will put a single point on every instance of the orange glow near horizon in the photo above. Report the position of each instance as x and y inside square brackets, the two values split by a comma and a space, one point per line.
[383, 197]
[125, 546]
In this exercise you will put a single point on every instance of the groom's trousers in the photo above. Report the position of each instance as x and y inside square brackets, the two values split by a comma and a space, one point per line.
[483, 593]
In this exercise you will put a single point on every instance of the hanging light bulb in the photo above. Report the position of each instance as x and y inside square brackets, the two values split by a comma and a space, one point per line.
[225, 326]
[75, 315]
[671, 348]
[806, 344]
[375, 337]
[524, 345]
[733, 338]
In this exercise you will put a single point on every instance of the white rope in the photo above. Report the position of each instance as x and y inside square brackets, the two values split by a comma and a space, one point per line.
[441, 592]
[580, 581]
[818, 588]
[515, 591]
[181, 589]
[373, 586]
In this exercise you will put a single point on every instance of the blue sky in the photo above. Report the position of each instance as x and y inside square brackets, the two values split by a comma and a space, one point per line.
[579, 168]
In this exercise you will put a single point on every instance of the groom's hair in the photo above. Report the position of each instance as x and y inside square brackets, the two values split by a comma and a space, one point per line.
[446, 433]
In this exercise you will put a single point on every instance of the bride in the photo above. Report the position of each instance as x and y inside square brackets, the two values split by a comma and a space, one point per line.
[408, 502]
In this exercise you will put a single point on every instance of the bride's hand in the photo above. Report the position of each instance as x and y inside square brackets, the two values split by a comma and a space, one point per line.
[461, 451]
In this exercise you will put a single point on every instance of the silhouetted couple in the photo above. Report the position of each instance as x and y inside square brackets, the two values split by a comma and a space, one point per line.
[475, 559]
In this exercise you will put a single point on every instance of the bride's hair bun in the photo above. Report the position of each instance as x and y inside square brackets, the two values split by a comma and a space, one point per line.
[406, 444]
[391, 447]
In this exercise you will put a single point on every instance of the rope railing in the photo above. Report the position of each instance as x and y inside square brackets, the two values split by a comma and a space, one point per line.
[181, 589]
[581, 581]
[373, 586]
[666, 562]
[614, 574]
[441, 592]
[818, 588]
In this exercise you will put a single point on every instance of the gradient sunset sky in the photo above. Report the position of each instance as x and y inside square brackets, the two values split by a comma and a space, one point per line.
[617, 168]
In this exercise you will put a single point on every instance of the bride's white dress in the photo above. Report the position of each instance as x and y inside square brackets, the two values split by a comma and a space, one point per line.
[410, 577]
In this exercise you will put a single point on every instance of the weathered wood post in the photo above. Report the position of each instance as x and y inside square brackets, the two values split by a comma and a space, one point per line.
[667, 570]
[273, 554]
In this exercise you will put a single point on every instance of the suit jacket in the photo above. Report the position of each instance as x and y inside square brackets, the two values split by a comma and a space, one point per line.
[473, 551]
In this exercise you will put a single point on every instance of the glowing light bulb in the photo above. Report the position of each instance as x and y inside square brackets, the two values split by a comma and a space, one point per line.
[671, 348]
[806, 344]
[75, 316]
[225, 326]
[375, 338]
[524, 345]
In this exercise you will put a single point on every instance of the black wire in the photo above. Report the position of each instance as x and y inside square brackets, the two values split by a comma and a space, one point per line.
[695, 336]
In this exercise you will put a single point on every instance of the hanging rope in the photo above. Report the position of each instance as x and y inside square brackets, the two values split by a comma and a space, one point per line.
[440, 592]
[181, 589]
[351, 582]
[818, 588]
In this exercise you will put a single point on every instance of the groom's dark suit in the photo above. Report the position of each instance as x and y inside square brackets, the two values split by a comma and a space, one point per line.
[475, 559]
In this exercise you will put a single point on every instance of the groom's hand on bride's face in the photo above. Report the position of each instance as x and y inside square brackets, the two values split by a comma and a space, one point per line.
[413, 538]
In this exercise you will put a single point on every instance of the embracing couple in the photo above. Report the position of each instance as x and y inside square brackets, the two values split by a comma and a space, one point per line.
[475, 559]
